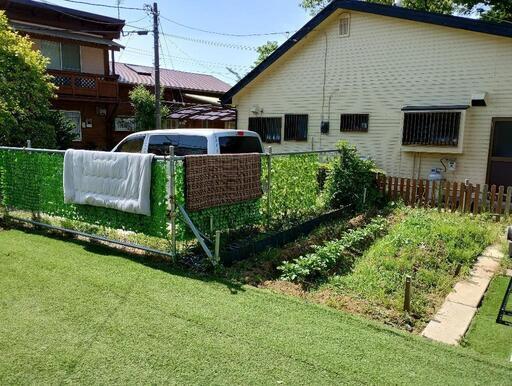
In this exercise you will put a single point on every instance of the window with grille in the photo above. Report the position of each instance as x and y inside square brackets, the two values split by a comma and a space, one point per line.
[345, 25]
[431, 128]
[354, 122]
[269, 129]
[296, 127]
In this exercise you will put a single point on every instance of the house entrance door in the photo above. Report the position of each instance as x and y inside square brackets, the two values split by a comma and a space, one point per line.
[499, 170]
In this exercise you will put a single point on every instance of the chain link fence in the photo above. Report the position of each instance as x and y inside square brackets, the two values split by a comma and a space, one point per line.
[31, 190]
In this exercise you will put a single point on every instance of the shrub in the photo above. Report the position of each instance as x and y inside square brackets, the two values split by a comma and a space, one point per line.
[25, 91]
[63, 129]
[348, 178]
[143, 102]
[335, 256]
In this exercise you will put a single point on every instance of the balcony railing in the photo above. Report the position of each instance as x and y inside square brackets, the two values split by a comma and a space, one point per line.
[85, 85]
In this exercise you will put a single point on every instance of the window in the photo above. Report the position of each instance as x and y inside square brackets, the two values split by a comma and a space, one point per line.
[131, 145]
[431, 128]
[269, 129]
[124, 124]
[183, 144]
[354, 122]
[74, 117]
[296, 127]
[345, 25]
[239, 144]
[63, 56]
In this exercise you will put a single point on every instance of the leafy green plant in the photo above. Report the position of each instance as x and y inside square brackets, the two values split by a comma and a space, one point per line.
[349, 178]
[25, 91]
[433, 248]
[334, 256]
[143, 102]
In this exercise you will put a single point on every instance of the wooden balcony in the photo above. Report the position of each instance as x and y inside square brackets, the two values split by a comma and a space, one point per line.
[75, 84]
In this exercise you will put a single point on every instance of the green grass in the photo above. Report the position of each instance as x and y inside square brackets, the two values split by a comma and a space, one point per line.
[485, 335]
[433, 248]
[73, 313]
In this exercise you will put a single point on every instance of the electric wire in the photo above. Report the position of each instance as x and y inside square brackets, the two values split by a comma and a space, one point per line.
[104, 5]
[81, 18]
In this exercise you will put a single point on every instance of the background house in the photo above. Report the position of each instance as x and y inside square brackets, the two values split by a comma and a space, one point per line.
[413, 90]
[193, 98]
[78, 45]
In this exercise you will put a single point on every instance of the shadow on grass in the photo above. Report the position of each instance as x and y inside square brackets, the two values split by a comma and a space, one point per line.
[151, 261]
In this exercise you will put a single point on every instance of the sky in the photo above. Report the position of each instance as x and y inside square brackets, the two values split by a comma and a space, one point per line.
[214, 52]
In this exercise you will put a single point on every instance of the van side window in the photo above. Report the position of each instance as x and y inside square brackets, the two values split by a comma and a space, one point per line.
[132, 145]
[192, 144]
[159, 144]
[183, 144]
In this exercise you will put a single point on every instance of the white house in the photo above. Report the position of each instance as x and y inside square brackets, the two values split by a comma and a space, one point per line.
[413, 90]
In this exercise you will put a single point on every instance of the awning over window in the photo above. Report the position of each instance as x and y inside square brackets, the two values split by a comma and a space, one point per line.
[205, 113]
[435, 108]
[65, 34]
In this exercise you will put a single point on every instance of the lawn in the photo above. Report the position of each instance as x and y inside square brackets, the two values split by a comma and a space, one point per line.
[485, 335]
[76, 313]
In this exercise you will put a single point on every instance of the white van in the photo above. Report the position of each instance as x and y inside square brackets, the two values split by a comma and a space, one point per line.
[191, 141]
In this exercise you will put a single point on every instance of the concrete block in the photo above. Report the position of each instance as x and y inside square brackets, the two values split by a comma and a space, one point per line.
[469, 292]
[450, 323]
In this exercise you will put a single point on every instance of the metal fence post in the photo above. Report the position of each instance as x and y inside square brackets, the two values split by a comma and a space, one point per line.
[172, 199]
[217, 248]
[269, 185]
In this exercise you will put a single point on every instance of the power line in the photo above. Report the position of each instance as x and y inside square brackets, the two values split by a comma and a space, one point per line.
[104, 5]
[224, 33]
[213, 43]
[79, 17]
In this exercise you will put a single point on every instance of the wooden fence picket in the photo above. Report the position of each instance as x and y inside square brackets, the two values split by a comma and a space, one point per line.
[450, 196]
[485, 197]
[500, 199]
[508, 201]
[492, 199]
[476, 206]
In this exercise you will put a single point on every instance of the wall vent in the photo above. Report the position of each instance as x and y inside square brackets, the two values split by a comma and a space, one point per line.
[345, 25]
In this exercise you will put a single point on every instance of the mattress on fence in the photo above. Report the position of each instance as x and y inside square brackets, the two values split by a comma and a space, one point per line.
[216, 180]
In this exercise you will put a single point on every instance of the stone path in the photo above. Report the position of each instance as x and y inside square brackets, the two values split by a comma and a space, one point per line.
[453, 319]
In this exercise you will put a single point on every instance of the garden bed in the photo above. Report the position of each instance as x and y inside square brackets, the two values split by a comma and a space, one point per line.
[362, 269]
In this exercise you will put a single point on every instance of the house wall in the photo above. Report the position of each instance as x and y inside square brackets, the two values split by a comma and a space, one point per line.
[387, 63]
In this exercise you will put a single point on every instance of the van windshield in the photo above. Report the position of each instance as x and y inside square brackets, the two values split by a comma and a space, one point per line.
[239, 144]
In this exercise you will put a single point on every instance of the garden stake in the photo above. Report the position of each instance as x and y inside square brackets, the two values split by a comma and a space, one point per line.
[407, 297]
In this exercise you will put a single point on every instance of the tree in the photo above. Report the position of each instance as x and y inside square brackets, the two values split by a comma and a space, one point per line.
[491, 10]
[63, 128]
[25, 91]
[143, 102]
[264, 51]
[439, 6]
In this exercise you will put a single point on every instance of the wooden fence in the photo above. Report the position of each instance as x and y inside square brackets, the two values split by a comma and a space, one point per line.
[450, 196]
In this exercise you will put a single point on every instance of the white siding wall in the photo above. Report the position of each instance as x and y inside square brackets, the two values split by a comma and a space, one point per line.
[385, 64]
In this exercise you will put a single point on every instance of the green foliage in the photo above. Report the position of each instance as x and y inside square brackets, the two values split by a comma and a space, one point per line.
[63, 128]
[143, 102]
[264, 51]
[294, 192]
[491, 10]
[348, 178]
[427, 245]
[33, 182]
[334, 256]
[439, 6]
[25, 91]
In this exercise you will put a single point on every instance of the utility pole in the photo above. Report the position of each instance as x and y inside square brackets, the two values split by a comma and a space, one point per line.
[158, 118]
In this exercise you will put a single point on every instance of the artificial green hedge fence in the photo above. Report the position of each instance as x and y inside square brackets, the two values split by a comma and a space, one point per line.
[32, 181]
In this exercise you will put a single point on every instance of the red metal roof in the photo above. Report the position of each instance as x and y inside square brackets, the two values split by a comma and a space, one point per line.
[136, 74]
